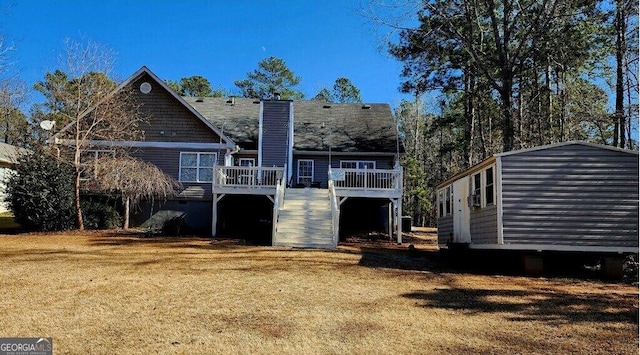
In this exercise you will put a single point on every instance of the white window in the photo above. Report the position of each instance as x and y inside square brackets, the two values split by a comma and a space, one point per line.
[488, 187]
[476, 190]
[444, 202]
[305, 171]
[483, 188]
[89, 162]
[197, 166]
[356, 164]
[247, 162]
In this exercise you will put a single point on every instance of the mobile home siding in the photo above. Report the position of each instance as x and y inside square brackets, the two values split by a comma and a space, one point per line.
[445, 229]
[484, 225]
[275, 133]
[570, 195]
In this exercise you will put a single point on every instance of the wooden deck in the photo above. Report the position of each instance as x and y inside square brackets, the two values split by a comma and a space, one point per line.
[343, 184]
[247, 180]
[372, 183]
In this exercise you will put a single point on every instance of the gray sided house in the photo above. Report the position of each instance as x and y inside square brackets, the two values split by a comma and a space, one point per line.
[571, 196]
[284, 169]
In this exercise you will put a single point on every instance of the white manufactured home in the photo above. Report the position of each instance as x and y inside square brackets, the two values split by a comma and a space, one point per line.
[571, 196]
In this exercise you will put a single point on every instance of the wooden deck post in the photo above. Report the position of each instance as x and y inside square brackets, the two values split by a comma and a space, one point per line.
[214, 215]
[399, 221]
[390, 219]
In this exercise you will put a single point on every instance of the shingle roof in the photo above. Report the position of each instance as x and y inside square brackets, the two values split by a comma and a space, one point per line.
[345, 127]
[9, 153]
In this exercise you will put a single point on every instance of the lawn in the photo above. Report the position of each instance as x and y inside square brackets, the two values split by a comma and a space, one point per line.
[101, 293]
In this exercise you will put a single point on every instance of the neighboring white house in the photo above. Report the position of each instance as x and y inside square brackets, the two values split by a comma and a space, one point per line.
[8, 159]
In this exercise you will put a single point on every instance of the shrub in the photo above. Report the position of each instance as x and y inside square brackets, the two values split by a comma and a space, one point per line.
[98, 214]
[40, 193]
[175, 226]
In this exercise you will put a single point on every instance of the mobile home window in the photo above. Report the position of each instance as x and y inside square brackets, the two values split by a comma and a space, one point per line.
[441, 203]
[477, 185]
[489, 186]
[196, 166]
[447, 197]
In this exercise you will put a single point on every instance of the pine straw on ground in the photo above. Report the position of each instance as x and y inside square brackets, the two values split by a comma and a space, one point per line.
[104, 294]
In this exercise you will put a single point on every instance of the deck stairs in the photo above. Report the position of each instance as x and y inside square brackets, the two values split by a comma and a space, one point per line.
[305, 220]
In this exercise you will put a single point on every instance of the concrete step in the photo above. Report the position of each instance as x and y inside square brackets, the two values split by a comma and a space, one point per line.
[306, 245]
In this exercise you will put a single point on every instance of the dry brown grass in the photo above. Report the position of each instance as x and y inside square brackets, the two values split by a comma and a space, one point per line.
[105, 294]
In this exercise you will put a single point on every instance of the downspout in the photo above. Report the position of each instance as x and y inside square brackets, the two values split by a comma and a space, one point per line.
[290, 145]
[260, 133]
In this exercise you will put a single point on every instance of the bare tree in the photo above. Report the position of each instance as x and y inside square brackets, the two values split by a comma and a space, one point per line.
[97, 111]
[134, 181]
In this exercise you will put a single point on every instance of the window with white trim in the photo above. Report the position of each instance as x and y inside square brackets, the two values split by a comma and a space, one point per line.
[197, 166]
[488, 187]
[89, 162]
[483, 189]
[445, 208]
[247, 162]
[305, 171]
[357, 164]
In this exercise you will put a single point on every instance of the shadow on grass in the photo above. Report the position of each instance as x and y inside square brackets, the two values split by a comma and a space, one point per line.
[487, 262]
[533, 305]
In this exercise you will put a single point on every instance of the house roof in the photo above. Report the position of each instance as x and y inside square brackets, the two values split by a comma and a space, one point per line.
[490, 160]
[562, 144]
[237, 118]
[9, 154]
[317, 125]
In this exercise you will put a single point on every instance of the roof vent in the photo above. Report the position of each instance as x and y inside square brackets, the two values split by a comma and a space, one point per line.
[366, 107]
[326, 106]
[231, 101]
[199, 100]
[276, 96]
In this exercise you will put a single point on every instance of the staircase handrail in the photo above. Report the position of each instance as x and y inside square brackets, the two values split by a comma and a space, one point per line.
[278, 201]
[335, 213]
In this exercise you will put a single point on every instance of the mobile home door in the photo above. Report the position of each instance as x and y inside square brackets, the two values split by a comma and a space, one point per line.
[461, 212]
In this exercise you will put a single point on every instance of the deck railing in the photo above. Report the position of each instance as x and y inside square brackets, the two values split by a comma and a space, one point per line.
[248, 176]
[367, 179]
[335, 213]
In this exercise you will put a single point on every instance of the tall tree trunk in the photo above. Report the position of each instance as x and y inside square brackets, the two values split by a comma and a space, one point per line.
[619, 120]
[507, 114]
[468, 118]
[127, 203]
[549, 120]
[502, 36]
[78, 181]
[562, 91]
[76, 201]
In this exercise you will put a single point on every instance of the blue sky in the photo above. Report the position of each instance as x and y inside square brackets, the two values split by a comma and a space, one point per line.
[220, 40]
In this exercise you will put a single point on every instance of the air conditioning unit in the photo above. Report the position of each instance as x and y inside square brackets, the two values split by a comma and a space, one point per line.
[474, 200]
